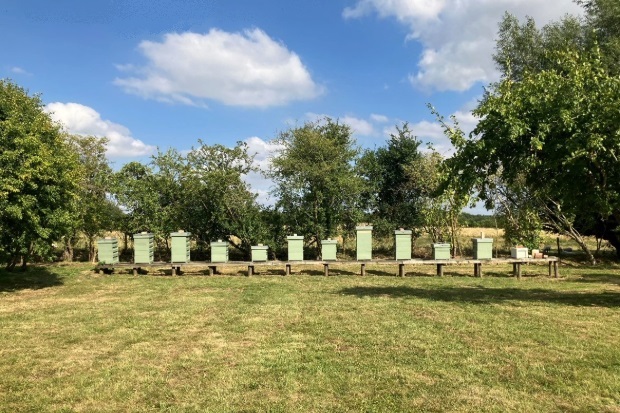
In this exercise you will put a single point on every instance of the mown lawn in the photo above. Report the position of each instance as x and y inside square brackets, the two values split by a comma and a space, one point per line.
[71, 340]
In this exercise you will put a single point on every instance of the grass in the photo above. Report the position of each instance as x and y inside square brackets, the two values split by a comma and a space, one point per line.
[71, 340]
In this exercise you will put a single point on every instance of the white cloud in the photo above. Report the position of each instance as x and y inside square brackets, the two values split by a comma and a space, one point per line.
[238, 69]
[262, 151]
[84, 120]
[360, 127]
[457, 36]
[432, 132]
[379, 118]
[19, 71]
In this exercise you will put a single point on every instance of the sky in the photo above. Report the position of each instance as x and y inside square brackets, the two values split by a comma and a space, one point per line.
[151, 75]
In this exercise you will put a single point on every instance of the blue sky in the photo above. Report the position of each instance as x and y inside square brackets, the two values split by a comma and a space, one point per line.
[165, 73]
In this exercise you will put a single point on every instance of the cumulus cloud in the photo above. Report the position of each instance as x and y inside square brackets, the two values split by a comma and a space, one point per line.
[359, 126]
[262, 151]
[457, 36]
[237, 69]
[84, 120]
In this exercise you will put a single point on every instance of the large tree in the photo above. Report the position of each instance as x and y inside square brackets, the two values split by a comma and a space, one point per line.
[316, 185]
[556, 133]
[39, 177]
[392, 200]
[95, 211]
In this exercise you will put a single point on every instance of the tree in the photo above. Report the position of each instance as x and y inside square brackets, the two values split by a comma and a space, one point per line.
[39, 177]
[557, 130]
[316, 186]
[222, 204]
[95, 211]
[393, 201]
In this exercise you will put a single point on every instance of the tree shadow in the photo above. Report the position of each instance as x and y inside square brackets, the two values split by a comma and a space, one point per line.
[482, 295]
[380, 273]
[341, 272]
[603, 278]
[34, 278]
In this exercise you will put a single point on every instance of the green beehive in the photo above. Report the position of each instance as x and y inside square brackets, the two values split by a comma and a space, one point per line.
[483, 248]
[259, 252]
[441, 251]
[219, 251]
[402, 240]
[295, 247]
[107, 250]
[328, 249]
[179, 246]
[143, 248]
[364, 242]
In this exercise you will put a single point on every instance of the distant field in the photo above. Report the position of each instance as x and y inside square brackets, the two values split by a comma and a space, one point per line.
[71, 340]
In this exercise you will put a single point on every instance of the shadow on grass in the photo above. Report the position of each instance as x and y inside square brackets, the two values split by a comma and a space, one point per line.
[380, 273]
[481, 295]
[341, 272]
[603, 278]
[34, 278]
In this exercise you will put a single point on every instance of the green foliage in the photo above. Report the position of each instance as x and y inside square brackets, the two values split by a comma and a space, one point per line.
[315, 182]
[203, 193]
[391, 198]
[96, 212]
[39, 176]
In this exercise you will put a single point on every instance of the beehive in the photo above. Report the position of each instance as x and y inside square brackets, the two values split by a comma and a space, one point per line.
[402, 241]
[328, 249]
[518, 252]
[364, 242]
[441, 251]
[219, 251]
[259, 252]
[179, 246]
[143, 248]
[295, 247]
[483, 248]
[107, 250]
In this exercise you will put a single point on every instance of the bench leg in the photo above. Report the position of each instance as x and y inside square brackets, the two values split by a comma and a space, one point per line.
[440, 270]
[250, 270]
[326, 270]
[556, 269]
[287, 271]
[401, 270]
[550, 268]
[363, 270]
[518, 270]
[212, 270]
[135, 270]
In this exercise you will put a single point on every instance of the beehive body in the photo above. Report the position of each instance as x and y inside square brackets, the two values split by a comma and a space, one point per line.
[364, 242]
[180, 247]
[259, 253]
[441, 251]
[483, 248]
[329, 249]
[295, 247]
[402, 241]
[144, 248]
[219, 251]
[107, 250]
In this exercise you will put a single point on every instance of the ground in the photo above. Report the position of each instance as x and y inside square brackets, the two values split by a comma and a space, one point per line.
[72, 340]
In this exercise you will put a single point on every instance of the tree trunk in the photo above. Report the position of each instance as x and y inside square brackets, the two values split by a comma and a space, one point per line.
[92, 255]
[67, 254]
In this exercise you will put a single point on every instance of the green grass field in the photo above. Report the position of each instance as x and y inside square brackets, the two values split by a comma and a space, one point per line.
[71, 340]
